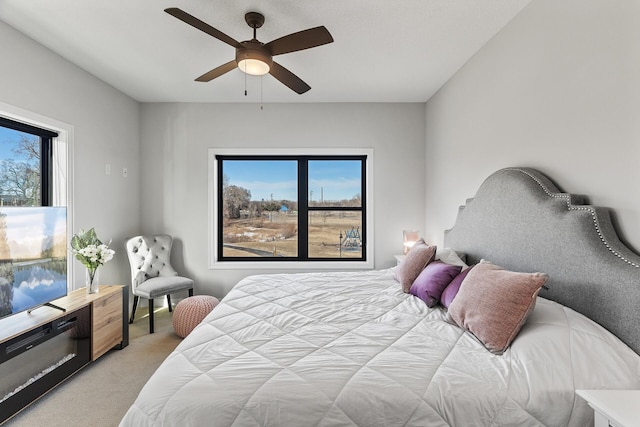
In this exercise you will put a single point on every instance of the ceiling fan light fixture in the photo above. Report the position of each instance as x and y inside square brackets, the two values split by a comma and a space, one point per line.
[254, 67]
[253, 62]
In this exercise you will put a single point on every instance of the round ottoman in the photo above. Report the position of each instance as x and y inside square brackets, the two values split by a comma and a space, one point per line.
[190, 311]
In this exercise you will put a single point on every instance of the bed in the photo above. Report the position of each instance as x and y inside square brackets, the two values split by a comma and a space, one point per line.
[354, 349]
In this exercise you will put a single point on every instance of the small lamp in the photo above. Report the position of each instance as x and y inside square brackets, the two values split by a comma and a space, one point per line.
[409, 238]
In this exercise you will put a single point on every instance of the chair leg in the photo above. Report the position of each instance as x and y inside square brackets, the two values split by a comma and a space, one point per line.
[169, 302]
[135, 305]
[191, 292]
[150, 315]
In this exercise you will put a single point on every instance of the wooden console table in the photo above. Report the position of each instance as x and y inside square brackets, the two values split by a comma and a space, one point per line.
[102, 322]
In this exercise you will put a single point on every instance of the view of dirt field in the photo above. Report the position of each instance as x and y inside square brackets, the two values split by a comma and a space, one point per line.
[277, 235]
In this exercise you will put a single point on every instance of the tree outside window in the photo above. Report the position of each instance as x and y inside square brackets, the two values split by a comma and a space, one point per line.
[20, 172]
[24, 164]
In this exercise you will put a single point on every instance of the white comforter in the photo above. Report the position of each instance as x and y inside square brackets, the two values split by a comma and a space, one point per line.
[351, 349]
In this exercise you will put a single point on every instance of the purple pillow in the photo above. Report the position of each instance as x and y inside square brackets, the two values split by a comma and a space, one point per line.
[430, 283]
[451, 290]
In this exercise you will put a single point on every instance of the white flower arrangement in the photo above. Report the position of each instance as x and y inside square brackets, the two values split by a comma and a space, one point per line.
[90, 251]
[96, 255]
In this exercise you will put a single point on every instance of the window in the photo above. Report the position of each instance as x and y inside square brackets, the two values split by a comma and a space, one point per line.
[278, 208]
[25, 164]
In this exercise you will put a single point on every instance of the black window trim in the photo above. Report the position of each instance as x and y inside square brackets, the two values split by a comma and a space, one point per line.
[46, 155]
[303, 206]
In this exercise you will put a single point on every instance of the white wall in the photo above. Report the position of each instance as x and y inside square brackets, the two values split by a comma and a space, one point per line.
[170, 195]
[105, 126]
[558, 89]
[176, 138]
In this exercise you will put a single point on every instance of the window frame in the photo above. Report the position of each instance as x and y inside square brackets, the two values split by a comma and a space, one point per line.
[300, 262]
[61, 169]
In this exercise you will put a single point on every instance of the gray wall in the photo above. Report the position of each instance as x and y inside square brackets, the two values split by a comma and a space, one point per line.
[105, 127]
[558, 89]
[176, 138]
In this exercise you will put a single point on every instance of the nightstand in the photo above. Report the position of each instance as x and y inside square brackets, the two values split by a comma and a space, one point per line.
[399, 258]
[616, 408]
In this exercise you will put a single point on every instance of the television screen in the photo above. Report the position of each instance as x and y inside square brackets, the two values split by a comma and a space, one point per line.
[33, 257]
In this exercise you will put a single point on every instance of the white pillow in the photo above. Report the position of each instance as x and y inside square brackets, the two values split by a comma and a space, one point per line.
[449, 256]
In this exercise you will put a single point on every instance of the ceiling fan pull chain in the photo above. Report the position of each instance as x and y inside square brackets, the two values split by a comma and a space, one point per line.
[245, 84]
[261, 104]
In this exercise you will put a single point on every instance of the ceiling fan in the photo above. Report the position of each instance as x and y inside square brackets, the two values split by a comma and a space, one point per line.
[254, 57]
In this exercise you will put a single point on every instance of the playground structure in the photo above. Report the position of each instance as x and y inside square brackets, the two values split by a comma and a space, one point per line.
[352, 240]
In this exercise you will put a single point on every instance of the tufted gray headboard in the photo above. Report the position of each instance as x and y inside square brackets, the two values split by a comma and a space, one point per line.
[520, 220]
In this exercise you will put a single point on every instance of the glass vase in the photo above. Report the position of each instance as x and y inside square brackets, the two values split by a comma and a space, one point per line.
[92, 280]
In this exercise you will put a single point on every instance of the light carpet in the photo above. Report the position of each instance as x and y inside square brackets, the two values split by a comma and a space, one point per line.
[101, 393]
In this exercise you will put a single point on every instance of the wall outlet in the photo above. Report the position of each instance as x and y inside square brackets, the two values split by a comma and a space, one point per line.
[107, 169]
[125, 172]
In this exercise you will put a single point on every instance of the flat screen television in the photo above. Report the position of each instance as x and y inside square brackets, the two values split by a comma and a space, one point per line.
[33, 257]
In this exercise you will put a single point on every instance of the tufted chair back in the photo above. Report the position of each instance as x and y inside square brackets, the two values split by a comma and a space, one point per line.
[149, 256]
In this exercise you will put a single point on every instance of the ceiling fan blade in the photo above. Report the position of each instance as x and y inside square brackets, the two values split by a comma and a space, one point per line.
[202, 26]
[217, 72]
[288, 79]
[299, 41]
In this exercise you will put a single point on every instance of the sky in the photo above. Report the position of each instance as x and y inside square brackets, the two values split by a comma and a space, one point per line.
[7, 136]
[29, 226]
[34, 221]
[277, 179]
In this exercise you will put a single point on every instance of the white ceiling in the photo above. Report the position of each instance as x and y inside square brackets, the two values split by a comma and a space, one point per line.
[384, 51]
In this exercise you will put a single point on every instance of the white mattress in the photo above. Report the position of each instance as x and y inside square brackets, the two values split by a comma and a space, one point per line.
[351, 349]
